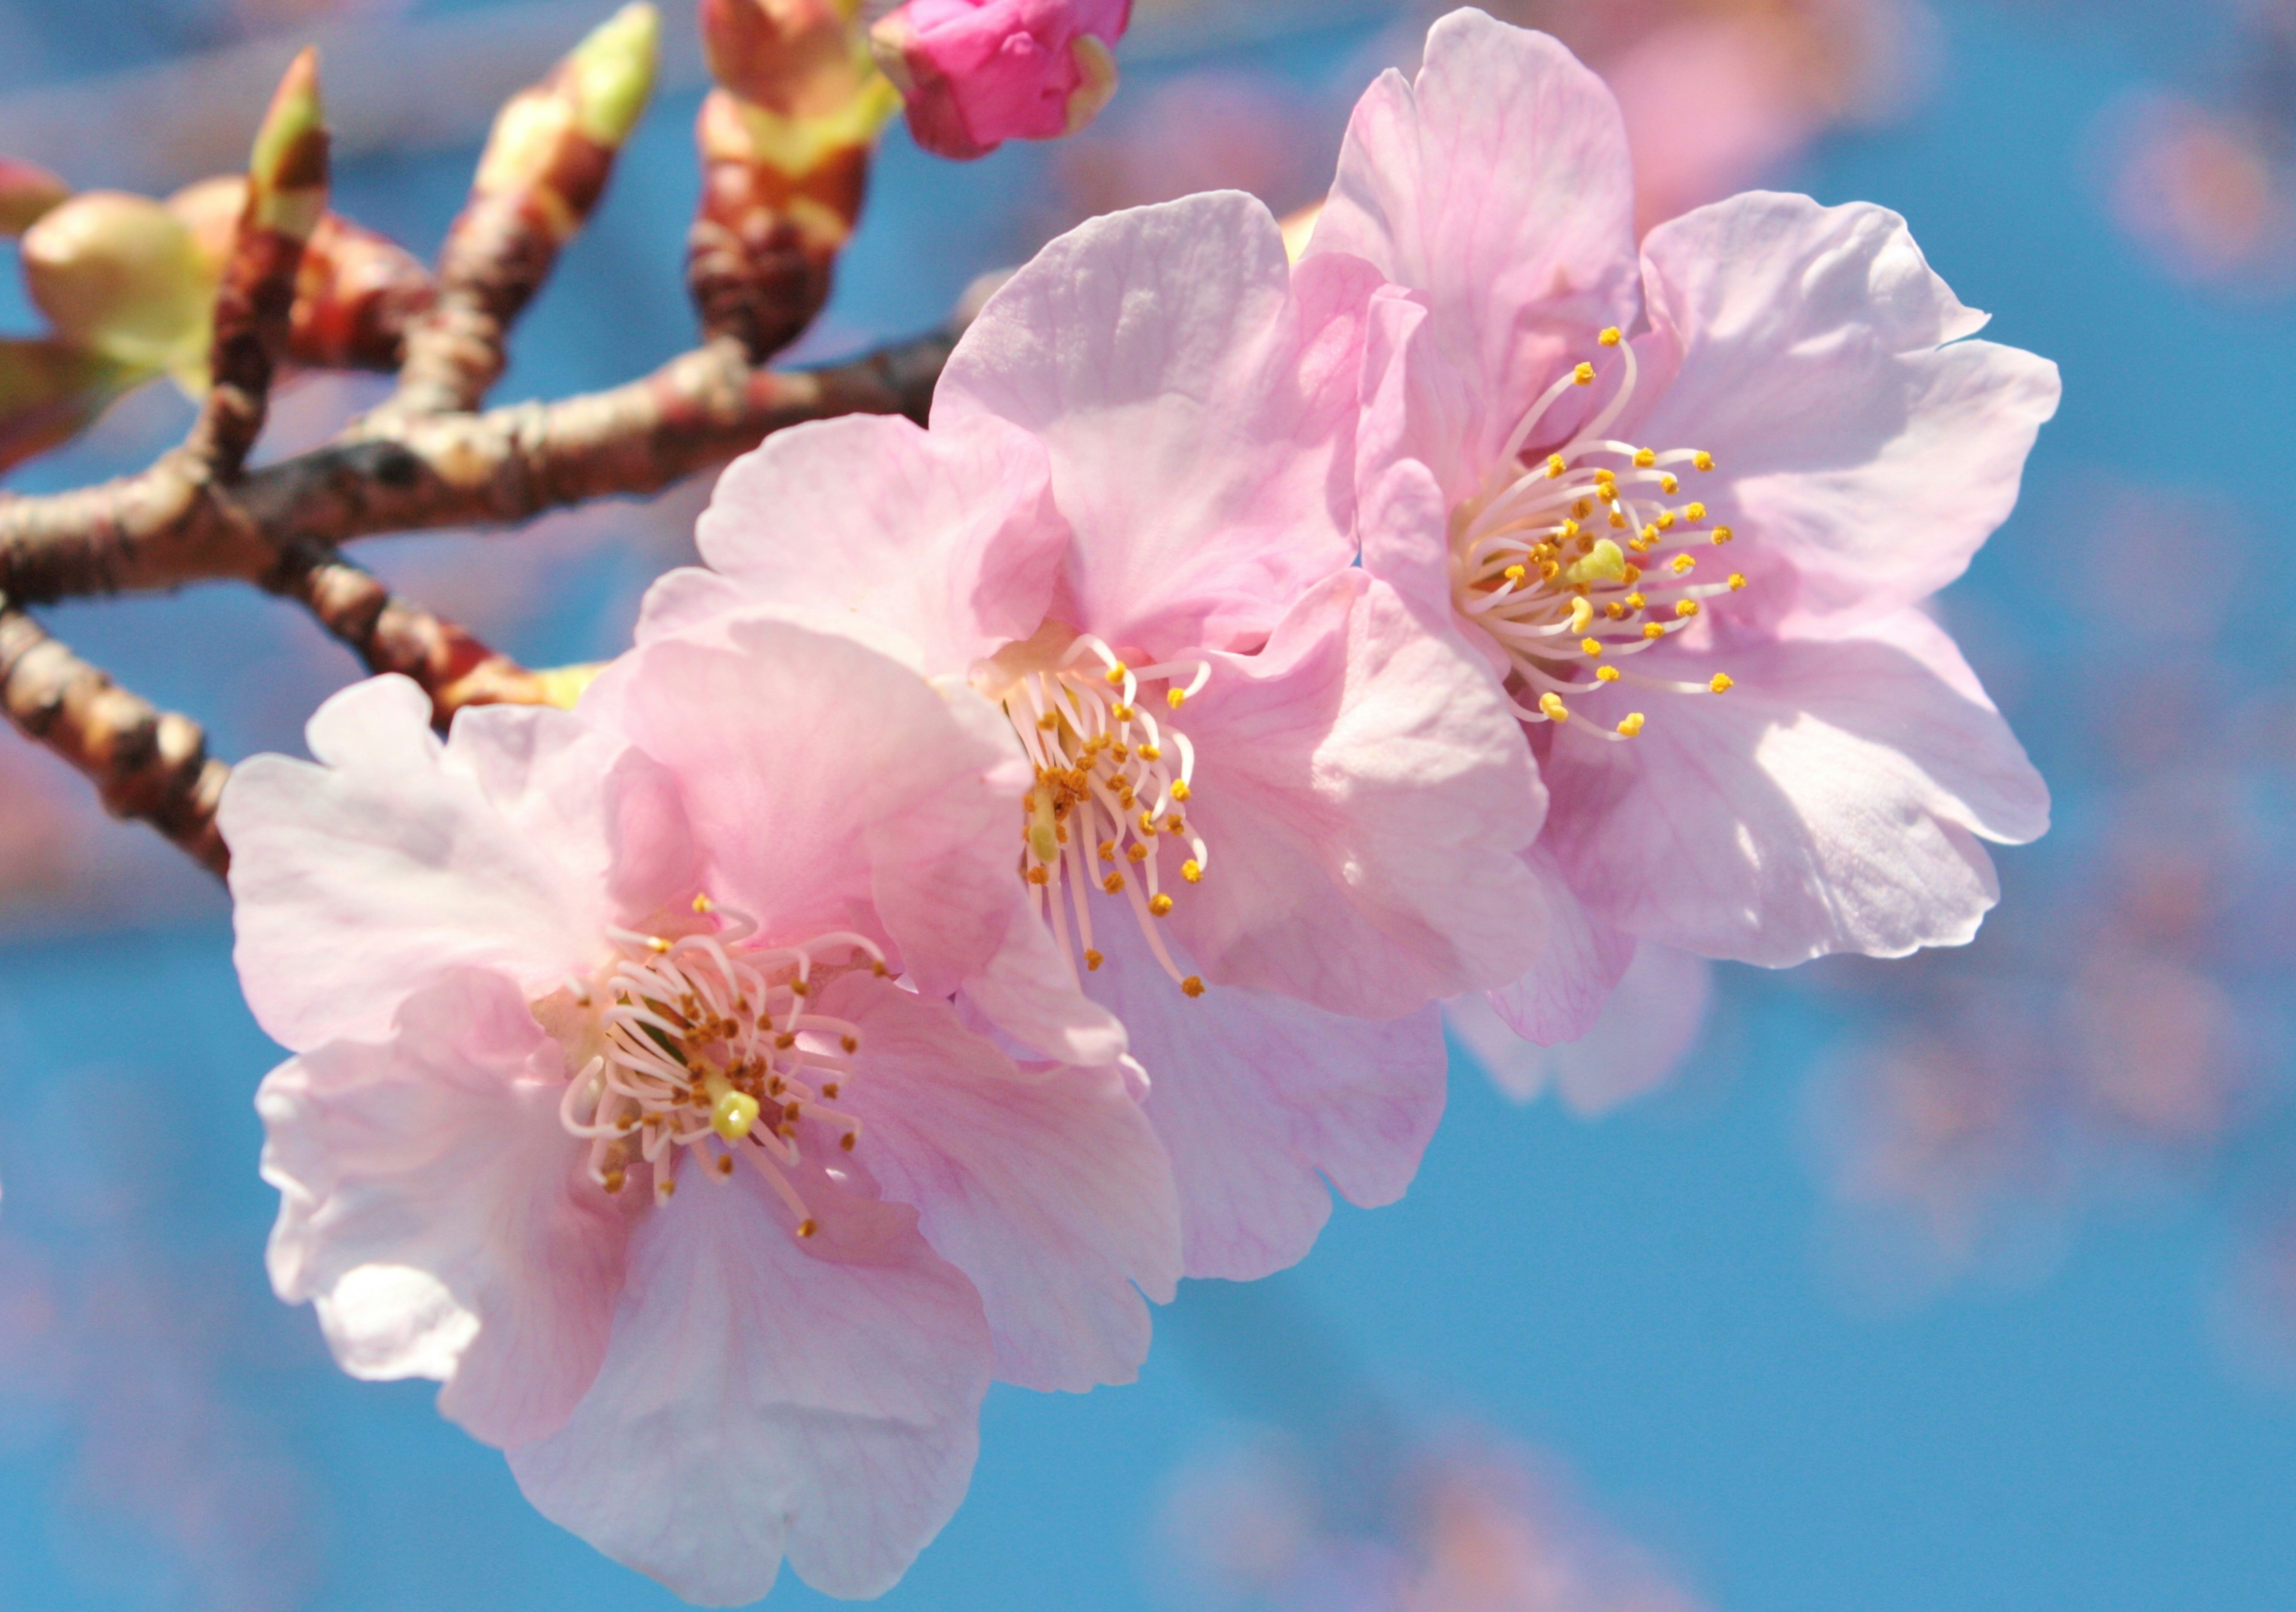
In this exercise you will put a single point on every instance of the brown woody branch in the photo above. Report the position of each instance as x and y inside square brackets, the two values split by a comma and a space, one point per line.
[148, 765]
[171, 525]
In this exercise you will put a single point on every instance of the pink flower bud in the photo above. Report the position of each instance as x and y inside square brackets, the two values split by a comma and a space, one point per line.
[976, 73]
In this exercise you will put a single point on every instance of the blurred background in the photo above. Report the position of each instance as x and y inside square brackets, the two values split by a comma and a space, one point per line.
[1965, 1283]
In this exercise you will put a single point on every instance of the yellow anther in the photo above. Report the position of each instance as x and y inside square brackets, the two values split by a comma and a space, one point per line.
[1177, 699]
[1147, 822]
[1150, 752]
[1606, 673]
[656, 944]
[808, 1227]
[1591, 647]
[1114, 884]
[1161, 905]
[1686, 608]
[1567, 531]
[1721, 684]
[1649, 534]
[1611, 337]
[1093, 960]
[1634, 573]
[1555, 466]
[848, 1141]
[614, 1181]
[1107, 850]
[851, 1044]
[1667, 485]
[1665, 521]
[1583, 507]
[1635, 601]
[1618, 521]
[1584, 374]
[1122, 713]
[1581, 613]
[878, 967]
[1116, 675]
[1176, 824]
[1040, 875]
[1704, 461]
[1737, 580]
[733, 1114]
[1654, 632]
[1193, 871]
[1191, 986]
[1557, 711]
[1136, 852]
[1605, 562]
[1684, 564]
[1644, 458]
[1615, 611]
[1180, 790]
[1693, 513]
[1723, 534]
[1632, 726]
[667, 1189]
[1549, 570]
[1516, 573]
[725, 1165]
[702, 903]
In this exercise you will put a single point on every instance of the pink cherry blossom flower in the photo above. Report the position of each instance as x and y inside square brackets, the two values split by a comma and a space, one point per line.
[1765, 751]
[606, 1113]
[976, 73]
[1129, 528]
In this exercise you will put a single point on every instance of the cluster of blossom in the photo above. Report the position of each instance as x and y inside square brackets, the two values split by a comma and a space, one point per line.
[1023, 867]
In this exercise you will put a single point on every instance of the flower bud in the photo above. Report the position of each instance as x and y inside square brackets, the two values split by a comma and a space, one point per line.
[287, 172]
[555, 143]
[27, 193]
[797, 58]
[50, 392]
[976, 73]
[121, 276]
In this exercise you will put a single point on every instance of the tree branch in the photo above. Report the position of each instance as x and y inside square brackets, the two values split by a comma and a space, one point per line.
[148, 765]
[170, 525]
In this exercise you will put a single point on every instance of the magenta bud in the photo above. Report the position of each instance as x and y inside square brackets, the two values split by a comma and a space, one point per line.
[976, 73]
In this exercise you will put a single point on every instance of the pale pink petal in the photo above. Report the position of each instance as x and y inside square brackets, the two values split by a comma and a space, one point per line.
[1198, 406]
[433, 1207]
[360, 880]
[1497, 185]
[829, 783]
[1261, 1100]
[1834, 800]
[1412, 467]
[763, 1396]
[948, 539]
[1049, 1190]
[1021, 991]
[1814, 353]
[1646, 1029]
[1364, 794]
[1560, 996]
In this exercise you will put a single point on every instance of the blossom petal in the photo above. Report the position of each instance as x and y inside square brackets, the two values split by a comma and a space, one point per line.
[764, 1396]
[1198, 406]
[1832, 801]
[946, 538]
[434, 1207]
[1816, 353]
[1644, 1030]
[359, 881]
[1559, 997]
[1261, 1100]
[1049, 1190]
[1363, 793]
[831, 785]
[1498, 186]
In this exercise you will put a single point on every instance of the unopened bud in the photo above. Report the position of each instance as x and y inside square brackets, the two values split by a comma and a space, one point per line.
[287, 172]
[120, 276]
[28, 191]
[51, 391]
[612, 74]
[976, 73]
[798, 58]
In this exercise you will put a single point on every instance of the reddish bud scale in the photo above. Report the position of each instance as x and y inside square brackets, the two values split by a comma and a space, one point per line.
[355, 295]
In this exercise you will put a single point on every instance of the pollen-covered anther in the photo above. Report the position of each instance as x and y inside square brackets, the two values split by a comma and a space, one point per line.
[1611, 337]
[1721, 684]
[1193, 871]
[1607, 673]
[1632, 726]
[1093, 960]
[1192, 985]
[1552, 704]
[1161, 905]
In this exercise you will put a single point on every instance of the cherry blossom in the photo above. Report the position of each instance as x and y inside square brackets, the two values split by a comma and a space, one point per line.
[1766, 751]
[976, 73]
[608, 1112]
[1129, 529]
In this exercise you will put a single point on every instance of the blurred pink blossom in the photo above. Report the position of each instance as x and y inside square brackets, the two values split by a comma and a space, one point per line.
[2207, 191]
[976, 73]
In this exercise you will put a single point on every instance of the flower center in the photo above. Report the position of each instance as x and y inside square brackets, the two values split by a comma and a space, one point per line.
[1578, 562]
[1111, 781]
[709, 1045]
